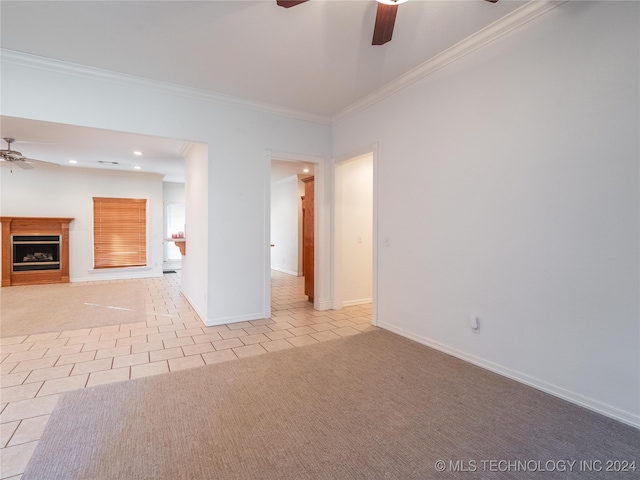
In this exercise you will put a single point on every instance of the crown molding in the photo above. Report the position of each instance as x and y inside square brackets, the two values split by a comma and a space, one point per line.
[497, 29]
[292, 157]
[67, 68]
[506, 24]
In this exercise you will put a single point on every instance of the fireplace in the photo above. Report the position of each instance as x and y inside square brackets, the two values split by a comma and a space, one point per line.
[35, 250]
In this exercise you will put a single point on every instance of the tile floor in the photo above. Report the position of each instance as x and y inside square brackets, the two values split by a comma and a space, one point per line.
[37, 369]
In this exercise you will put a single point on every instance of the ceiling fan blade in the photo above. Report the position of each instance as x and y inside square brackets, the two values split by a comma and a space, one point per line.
[22, 164]
[28, 142]
[385, 20]
[43, 162]
[492, 1]
[286, 4]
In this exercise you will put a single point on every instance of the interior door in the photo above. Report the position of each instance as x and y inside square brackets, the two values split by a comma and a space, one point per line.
[308, 237]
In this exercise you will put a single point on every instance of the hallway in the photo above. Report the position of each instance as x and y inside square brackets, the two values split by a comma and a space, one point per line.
[294, 314]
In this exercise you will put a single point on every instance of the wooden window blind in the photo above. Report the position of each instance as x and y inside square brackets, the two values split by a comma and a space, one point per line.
[119, 232]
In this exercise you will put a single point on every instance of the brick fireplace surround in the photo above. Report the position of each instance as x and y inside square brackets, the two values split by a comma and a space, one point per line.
[32, 226]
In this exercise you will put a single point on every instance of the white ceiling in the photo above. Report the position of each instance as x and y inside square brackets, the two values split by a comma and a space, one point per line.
[281, 169]
[316, 57]
[57, 143]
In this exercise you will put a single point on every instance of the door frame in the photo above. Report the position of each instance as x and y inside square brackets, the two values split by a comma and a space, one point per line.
[321, 228]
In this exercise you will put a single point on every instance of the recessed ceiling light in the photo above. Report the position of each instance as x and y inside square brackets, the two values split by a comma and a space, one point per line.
[137, 167]
[306, 170]
[137, 152]
[73, 161]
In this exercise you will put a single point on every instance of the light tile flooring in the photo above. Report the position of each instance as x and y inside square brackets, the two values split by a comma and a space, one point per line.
[37, 369]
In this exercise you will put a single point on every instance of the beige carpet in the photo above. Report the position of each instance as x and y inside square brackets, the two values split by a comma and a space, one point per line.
[30, 309]
[371, 406]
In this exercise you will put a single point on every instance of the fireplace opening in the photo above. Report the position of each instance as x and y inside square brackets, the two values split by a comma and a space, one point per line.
[36, 252]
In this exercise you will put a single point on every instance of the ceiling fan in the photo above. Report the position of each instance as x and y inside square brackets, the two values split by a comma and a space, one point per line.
[16, 158]
[385, 17]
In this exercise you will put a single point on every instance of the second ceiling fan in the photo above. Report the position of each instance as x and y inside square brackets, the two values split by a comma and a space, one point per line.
[385, 17]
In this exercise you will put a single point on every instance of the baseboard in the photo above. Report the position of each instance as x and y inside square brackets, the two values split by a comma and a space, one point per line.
[288, 272]
[323, 304]
[201, 315]
[212, 322]
[172, 265]
[361, 301]
[122, 276]
[588, 403]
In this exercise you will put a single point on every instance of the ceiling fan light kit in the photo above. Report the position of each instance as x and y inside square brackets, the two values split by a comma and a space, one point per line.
[14, 157]
[385, 17]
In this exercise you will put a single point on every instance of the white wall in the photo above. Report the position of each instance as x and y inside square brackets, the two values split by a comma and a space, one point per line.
[354, 231]
[197, 258]
[237, 136]
[68, 192]
[285, 225]
[173, 192]
[508, 187]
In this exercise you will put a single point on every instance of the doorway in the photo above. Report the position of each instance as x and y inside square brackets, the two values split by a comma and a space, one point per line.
[290, 178]
[174, 219]
[355, 239]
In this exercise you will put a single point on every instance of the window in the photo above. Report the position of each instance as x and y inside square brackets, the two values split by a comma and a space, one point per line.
[119, 232]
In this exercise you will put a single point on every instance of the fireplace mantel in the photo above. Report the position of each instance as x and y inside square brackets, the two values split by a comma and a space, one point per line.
[31, 226]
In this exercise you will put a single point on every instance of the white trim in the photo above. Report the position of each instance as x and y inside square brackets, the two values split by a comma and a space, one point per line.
[323, 304]
[573, 397]
[288, 272]
[266, 265]
[497, 29]
[293, 157]
[213, 322]
[360, 301]
[374, 289]
[199, 313]
[67, 68]
[122, 273]
[120, 269]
